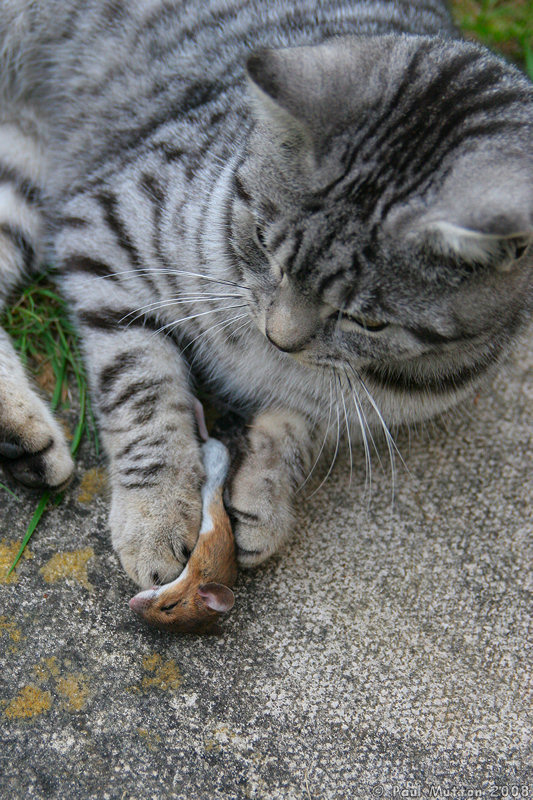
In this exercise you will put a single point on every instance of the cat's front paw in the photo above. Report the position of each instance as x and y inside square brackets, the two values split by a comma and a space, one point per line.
[261, 515]
[155, 532]
[261, 494]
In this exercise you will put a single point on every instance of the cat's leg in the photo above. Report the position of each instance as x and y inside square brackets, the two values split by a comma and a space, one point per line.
[278, 456]
[32, 444]
[145, 410]
[140, 393]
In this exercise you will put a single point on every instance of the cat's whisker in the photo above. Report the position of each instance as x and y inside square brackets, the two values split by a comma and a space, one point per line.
[391, 444]
[347, 428]
[367, 425]
[335, 454]
[155, 306]
[382, 421]
[211, 279]
[242, 325]
[171, 325]
[162, 271]
[363, 424]
[324, 439]
[221, 324]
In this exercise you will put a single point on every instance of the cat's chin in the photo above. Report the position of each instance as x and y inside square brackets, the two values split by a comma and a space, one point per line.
[404, 399]
[305, 360]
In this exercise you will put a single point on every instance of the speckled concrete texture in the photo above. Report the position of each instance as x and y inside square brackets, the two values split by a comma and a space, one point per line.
[384, 654]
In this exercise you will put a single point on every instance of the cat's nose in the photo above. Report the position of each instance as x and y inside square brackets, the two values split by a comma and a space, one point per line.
[286, 347]
[291, 319]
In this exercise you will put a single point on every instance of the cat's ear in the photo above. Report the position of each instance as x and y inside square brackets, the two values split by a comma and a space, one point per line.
[307, 94]
[483, 213]
[275, 97]
[480, 246]
[217, 597]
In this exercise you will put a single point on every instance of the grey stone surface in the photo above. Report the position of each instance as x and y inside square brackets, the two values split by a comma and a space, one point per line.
[384, 651]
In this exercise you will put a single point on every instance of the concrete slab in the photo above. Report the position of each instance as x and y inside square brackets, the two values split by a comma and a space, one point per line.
[384, 652]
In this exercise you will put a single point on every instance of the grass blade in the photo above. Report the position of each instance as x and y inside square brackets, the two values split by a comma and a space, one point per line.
[8, 490]
[47, 341]
[59, 384]
[529, 60]
[80, 427]
[37, 514]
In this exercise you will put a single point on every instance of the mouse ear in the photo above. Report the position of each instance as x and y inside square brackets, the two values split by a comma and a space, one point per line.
[217, 596]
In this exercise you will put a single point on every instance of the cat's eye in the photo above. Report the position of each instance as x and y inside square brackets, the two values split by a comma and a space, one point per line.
[372, 325]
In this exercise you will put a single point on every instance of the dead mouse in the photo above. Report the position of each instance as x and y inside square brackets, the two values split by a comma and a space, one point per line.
[193, 602]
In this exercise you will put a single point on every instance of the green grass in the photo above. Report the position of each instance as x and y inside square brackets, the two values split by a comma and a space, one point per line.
[503, 25]
[47, 343]
[38, 322]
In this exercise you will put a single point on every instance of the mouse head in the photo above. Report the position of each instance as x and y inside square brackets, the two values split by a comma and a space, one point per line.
[179, 608]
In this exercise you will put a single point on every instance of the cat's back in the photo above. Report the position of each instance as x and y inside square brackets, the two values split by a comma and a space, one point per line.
[153, 50]
[112, 72]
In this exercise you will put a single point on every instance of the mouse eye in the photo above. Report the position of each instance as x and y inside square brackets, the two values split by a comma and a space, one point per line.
[170, 607]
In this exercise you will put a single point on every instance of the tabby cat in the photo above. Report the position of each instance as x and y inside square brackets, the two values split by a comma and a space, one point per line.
[321, 209]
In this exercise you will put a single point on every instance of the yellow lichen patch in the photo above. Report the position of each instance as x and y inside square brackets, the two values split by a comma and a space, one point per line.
[8, 553]
[52, 665]
[73, 689]
[45, 668]
[151, 663]
[71, 564]
[8, 626]
[40, 673]
[166, 674]
[29, 702]
[151, 738]
[93, 483]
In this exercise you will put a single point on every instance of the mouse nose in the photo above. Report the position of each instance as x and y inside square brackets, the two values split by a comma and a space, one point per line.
[142, 600]
[291, 319]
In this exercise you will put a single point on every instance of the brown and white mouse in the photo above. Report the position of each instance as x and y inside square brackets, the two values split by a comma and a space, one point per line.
[194, 601]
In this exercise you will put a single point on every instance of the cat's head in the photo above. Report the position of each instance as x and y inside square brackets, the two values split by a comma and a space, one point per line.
[383, 215]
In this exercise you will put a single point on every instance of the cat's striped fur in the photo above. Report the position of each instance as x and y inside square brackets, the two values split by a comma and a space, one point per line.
[332, 235]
